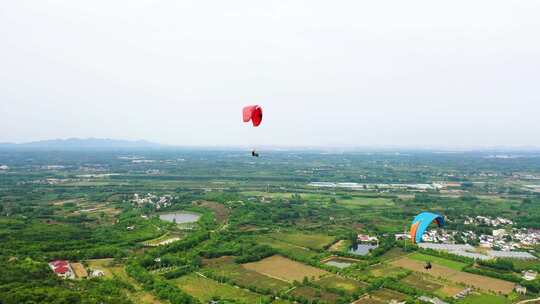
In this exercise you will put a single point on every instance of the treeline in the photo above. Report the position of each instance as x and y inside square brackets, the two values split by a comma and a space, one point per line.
[255, 253]
[185, 244]
[75, 240]
[447, 255]
[175, 259]
[494, 274]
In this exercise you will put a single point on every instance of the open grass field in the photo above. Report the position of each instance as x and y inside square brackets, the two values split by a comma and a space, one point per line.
[526, 264]
[339, 245]
[385, 270]
[108, 268]
[294, 250]
[393, 254]
[437, 260]
[449, 290]
[358, 202]
[439, 287]
[368, 300]
[421, 282]
[204, 289]
[484, 299]
[281, 301]
[144, 298]
[310, 241]
[469, 279]
[306, 196]
[315, 294]
[345, 284]
[387, 295]
[242, 276]
[284, 269]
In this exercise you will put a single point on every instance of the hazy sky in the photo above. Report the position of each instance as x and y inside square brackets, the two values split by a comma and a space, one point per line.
[356, 73]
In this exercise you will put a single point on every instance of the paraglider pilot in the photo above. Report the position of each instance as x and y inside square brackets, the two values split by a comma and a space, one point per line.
[255, 114]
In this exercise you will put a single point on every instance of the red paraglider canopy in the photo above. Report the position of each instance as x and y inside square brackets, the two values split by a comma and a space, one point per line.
[253, 113]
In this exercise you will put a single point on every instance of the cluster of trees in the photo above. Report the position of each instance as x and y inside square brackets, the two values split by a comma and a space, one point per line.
[385, 244]
[225, 279]
[529, 213]
[31, 281]
[498, 264]
[163, 289]
[185, 244]
[283, 212]
[50, 240]
[255, 253]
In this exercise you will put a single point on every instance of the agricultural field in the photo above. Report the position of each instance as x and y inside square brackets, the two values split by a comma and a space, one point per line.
[284, 269]
[449, 289]
[437, 260]
[80, 271]
[481, 282]
[485, 298]
[204, 289]
[392, 254]
[421, 282]
[304, 240]
[242, 276]
[358, 202]
[337, 282]
[287, 195]
[315, 294]
[109, 267]
[440, 287]
[367, 299]
[288, 248]
[381, 296]
[385, 270]
[340, 245]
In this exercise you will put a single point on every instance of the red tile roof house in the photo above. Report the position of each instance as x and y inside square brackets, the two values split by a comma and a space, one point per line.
[363, 238]
[62, 269]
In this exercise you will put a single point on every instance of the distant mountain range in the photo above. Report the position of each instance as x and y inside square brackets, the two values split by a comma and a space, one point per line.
[82, 143]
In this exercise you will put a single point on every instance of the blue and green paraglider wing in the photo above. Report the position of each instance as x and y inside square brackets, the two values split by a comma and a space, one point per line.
[421, 223]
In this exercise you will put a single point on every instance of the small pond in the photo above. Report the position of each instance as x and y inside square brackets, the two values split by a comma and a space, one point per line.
[180, 217]
[362, 249]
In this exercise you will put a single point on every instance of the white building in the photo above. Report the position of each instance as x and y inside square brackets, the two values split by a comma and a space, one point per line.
[402, 236]
[529, 275]
[498, 232]
[521, 290]
[96, 273]
[62, 268]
